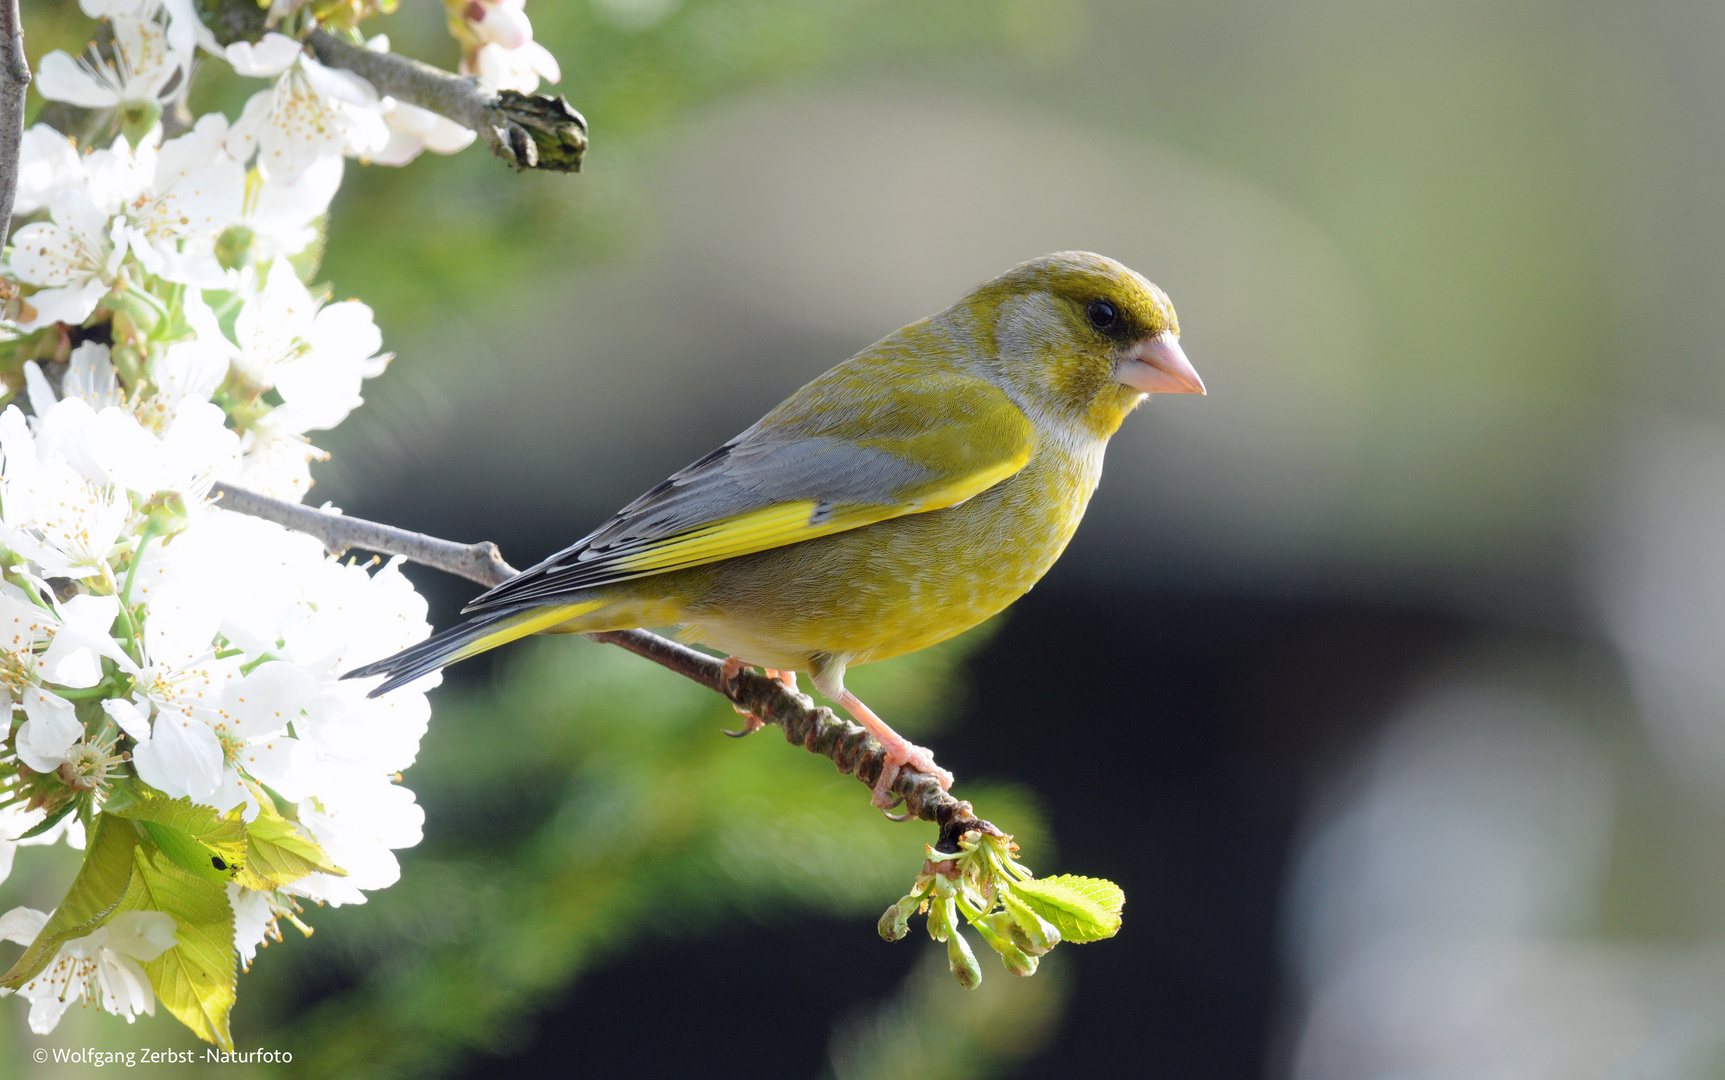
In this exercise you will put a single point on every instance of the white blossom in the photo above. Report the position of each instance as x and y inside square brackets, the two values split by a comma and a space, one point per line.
[278, 460]
[515, 69]
[103, 967]
[413, 130]
[73, 258]
[61, 643]
[195, 191]
[313, 355]
[507, 58]
[311, 113]
[185, 29]
[282, 215]
[89, 377]
[147, 66]
[144, 629]
[52, 514]
[47, 162]
[114, 452]
[254, 919]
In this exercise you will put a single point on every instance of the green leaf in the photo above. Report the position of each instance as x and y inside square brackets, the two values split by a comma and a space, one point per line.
[194, 979]
[199, 838]
[277, 851]
[214, 864]
[50, 821]
[124, 792]
[91, 901]
[1083, 909]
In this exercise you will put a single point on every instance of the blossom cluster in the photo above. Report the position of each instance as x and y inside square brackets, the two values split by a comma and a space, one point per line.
[171, 671]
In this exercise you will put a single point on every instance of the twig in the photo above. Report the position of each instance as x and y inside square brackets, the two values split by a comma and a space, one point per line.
[852, 749]
[14, 81]
[476, 562]
[530, 131]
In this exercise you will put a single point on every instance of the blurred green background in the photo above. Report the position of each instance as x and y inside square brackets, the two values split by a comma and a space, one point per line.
[1387, 678]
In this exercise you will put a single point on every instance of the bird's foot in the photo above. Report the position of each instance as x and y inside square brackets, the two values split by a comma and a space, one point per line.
[900, 754]
[728, 677]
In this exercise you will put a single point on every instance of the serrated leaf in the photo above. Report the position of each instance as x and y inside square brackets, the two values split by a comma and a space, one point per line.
[195, 979]
[91, 901]
[199, 838]
[49, 822]
[1083, 909]
[278, 851]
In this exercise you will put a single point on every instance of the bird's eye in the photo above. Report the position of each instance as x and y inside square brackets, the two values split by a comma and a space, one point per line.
[1102, 314]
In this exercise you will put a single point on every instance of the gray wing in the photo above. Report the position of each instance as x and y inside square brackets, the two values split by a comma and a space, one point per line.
[749, 473]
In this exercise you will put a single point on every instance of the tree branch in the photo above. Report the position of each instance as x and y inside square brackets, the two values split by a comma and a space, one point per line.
[14, 81]
[818, 730]
[530, 131]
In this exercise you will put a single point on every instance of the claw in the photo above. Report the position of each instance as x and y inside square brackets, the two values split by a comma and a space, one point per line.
[899, 753]
[755, 724]
[731, 669]
[728, 679]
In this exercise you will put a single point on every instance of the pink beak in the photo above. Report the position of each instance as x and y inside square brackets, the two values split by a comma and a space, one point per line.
[1157, 366]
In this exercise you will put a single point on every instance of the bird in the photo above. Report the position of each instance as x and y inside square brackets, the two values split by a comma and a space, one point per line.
[895, 501]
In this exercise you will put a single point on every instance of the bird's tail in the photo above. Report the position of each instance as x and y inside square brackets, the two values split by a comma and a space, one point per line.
[470, 638]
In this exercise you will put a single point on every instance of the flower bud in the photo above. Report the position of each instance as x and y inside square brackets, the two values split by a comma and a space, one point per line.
[129, 364]
[942, 918]
[962, 961]
[165, 514]
[503, 24]
[234, 246]
[1017, 962]
[895, 924]
[137, 118]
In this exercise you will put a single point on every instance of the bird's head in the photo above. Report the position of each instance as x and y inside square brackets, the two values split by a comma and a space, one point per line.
[1081, 336]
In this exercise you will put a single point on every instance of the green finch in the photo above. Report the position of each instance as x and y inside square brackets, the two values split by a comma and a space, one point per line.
[897, 500]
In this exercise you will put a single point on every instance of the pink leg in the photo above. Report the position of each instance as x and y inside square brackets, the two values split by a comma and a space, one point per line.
[788, 678]
[899, 752]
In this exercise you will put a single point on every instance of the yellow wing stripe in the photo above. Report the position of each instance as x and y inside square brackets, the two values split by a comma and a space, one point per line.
[793, 522]
[531, 622]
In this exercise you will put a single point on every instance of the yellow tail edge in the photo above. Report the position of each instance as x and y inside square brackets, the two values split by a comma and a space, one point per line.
[531, 623]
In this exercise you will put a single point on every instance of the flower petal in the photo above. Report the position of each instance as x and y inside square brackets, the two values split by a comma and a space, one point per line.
[132, 720]
[265, 701]
[141, 935]
[265, 60]
[183, 757]
[49, 732]
[62, 79]
[22, 924]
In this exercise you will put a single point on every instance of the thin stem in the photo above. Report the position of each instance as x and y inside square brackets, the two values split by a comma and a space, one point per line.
[817, 730]
[87, 693]
[134, 647]
[137, 560]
